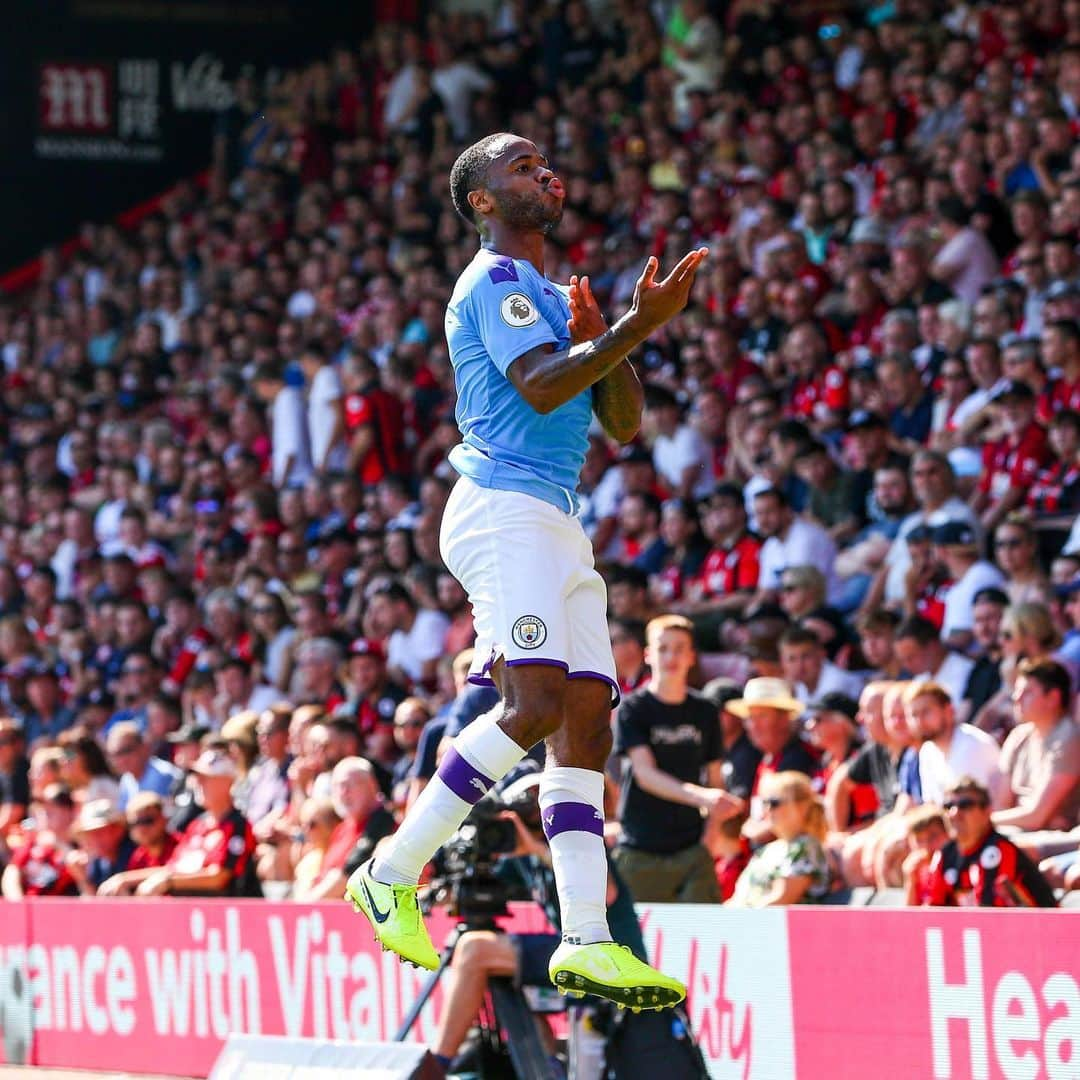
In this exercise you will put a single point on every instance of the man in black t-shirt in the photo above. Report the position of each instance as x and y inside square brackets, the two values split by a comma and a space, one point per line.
[670, 739]
[876, 764]
[14, 777]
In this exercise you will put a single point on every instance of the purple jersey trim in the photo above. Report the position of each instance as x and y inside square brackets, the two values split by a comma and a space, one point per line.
[482, 678]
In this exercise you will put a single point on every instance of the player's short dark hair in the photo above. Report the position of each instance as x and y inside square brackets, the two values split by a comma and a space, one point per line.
[469, 173]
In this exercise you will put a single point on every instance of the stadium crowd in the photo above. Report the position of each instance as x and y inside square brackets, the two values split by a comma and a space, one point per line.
[230, 652]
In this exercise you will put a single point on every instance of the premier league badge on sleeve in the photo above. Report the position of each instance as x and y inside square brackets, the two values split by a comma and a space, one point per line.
[529, 632]
[518, 310]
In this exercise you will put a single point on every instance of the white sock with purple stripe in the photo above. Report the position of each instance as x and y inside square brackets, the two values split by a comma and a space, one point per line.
[572, 809]
[481, 755]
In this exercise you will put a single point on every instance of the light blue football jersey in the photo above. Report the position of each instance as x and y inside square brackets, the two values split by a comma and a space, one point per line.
[501, 308]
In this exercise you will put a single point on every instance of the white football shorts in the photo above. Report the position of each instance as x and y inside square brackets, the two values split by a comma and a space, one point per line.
[528, 569]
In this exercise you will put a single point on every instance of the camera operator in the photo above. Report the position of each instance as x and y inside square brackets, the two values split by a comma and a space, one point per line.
[484, 954]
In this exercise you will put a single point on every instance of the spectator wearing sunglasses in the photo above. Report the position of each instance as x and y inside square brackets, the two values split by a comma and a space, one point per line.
[104, 846]
[793, 868]
[1016, 551]
[979, 867]
[154, 844]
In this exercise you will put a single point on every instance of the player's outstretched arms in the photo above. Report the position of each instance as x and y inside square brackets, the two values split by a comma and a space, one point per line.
[548, 379]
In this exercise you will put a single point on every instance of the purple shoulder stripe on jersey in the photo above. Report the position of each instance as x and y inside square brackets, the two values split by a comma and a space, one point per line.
[616, 693]
[572, 817]
[502, 269]
[467, 783]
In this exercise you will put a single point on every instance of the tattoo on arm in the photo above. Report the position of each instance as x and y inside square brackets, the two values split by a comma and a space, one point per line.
[617, 401]
[549, 379]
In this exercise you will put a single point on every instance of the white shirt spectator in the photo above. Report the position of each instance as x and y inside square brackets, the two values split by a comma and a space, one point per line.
[974, 403]
[63, 564]
[1072, 542]
[833, 680]
[952, 676]
[685, 449]
[968, 262]
[322, 414]
[302, 304]
[456, 83]
[289, 435]
[160, 776]
[107, 521]
[899, 558]
[960, 599]
[277, 651]
[398, 97]
[410, 650]
[971, 753]
[260, 698]
[805, 544]
[608, 494]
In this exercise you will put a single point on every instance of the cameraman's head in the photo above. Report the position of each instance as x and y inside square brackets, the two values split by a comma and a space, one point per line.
[353, 788]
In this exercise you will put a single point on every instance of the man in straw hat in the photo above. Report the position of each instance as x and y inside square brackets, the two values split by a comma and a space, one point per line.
[771, 711]
[104, 846]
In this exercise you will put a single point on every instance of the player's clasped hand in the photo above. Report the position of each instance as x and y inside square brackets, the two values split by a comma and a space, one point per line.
[655, 302]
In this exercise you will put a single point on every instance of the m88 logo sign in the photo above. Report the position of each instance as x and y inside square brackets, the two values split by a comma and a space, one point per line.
[76, 98]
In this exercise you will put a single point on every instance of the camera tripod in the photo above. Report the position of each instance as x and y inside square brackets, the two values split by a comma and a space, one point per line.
[509, 1012]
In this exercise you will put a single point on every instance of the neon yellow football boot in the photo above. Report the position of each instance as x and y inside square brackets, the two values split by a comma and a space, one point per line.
[612, 971]
[394, 916]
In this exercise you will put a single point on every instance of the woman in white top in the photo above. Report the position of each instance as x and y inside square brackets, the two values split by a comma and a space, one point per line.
[272, 633]
[85, 769]
[1016, 551]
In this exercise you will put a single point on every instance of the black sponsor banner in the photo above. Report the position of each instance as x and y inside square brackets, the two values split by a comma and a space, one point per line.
[109, 101]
